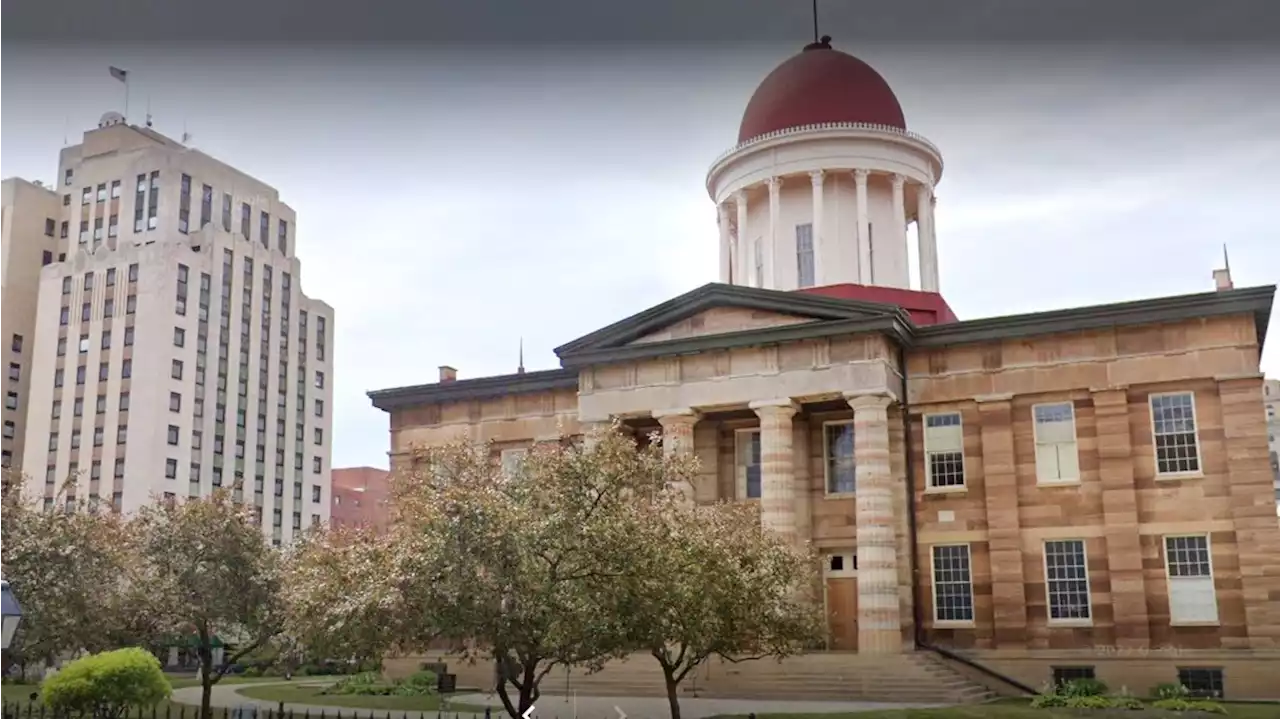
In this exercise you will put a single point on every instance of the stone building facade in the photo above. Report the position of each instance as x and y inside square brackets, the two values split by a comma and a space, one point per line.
[1084, 492]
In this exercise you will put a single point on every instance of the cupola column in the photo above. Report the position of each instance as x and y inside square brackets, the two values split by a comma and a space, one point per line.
[864, 227]
[742, 270]
[816, 235]
[898, 230]
[928, 243]
[726, 243]
[775, 220]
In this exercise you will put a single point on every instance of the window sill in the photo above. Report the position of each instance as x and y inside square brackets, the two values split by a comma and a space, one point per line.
[1216, 623]
[954, 625]
[840, 495]
[1174, 477]
[1069, 623]
[1058, 482]
[961, 489]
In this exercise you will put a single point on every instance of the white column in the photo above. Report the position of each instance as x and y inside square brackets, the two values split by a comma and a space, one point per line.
[817, 177]
[899, 230]
[771, 249]
[928, 248]
[726, 243]
[742, 271]
[864, 227]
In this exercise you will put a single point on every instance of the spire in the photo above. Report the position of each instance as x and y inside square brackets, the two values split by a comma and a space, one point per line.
[819, 43]
[1222, 278]
[520, 368]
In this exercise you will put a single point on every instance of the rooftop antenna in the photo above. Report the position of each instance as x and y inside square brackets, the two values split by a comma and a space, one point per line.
[815, 22]
[148, 109]
[186, 136]
[1226, 262]
[1222, 278]
[520, 368]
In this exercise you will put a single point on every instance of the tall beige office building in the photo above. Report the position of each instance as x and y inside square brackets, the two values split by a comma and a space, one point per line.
[176, 350]
[29, 215]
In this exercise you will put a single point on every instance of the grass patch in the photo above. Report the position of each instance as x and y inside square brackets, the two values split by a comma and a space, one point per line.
[186, 680]
[1019, 709]
[304, 694]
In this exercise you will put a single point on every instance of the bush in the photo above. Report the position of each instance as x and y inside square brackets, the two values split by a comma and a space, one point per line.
[1169, 690]
[107, 685]
[1082, 688]
[418, 684]
[251, 672]
[1047, 701]
[1184, 705]
[1091, 701]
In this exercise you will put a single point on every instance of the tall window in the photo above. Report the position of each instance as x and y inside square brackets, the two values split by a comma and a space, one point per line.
[282, 238]
[747, 463]
[206, 205]
[510, 459]
[944, 450]
[759, 262]
[1057, 458]
[841, 468]
[246, 215]
[804, 255]
[952, 584]
[1066, 571]
[1173, 423]
[184, 204]
[1192, 598]
[226, 211]
[264, 230]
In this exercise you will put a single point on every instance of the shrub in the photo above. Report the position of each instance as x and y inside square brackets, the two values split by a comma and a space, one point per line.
[1125, 702]
[1046, 701]
[418, 684]
[1082, 688]
[251, 672]
[107, 685]
[1178, 704]
[1169, 690]
[1090, 701]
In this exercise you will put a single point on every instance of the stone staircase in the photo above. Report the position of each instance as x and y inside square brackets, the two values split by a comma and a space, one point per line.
[918, 677]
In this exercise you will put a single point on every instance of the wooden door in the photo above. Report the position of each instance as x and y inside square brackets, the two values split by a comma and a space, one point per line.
[842, 612]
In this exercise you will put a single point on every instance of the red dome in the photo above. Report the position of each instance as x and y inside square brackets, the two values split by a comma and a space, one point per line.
[820, 85]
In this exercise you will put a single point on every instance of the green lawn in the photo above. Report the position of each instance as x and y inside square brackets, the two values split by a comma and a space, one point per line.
[1020, 710]
[303, 694]
[186, 680]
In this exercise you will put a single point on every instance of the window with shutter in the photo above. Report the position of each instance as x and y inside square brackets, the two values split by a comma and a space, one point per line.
[1192, 598]
[1057, 456]
[944, 451]
[746, 466]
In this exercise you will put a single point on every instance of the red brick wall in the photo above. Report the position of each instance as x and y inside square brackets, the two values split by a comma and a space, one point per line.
[359, 497]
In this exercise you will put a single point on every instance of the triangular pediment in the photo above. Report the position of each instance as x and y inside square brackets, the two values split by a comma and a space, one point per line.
[719, 310]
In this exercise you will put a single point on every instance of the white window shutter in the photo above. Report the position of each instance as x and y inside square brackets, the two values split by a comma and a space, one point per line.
[1047, 468]
[1055, 432]
[1192, 599]
[1068, 457]
[944, 439]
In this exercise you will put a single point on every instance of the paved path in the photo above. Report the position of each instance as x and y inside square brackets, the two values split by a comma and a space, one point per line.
[557, 707]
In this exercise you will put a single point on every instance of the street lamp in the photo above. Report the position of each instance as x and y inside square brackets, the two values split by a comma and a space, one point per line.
[12, 612]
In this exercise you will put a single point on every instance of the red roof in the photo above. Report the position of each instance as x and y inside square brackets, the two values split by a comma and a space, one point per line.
[820, 85]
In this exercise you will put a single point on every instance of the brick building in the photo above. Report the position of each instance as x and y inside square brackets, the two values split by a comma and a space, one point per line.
[359, 497]
[1067, 493]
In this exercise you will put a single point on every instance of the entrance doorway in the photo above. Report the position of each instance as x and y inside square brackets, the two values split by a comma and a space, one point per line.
[840, 575]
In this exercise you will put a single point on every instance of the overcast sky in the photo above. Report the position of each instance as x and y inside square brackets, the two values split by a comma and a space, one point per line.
[453, 201]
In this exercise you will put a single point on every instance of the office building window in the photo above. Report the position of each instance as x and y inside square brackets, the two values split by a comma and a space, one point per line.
[944, 450]
[171, 468]
[952, 584]
[1177, 444]
[1067, 581]
[840, 463]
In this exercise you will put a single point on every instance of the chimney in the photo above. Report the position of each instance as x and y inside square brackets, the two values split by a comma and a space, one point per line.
[447, 374]
[1222, 277]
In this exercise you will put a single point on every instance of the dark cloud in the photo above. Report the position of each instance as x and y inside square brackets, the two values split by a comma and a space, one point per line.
[557, 22]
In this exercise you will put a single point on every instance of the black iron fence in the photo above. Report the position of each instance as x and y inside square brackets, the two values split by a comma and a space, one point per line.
[35, 710]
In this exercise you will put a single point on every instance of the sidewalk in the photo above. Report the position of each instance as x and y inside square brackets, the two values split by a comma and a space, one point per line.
[557, 707]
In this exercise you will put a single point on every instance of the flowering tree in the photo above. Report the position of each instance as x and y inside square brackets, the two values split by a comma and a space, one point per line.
[207, 572]
[710, 581]
[521, 567]
[69, 566]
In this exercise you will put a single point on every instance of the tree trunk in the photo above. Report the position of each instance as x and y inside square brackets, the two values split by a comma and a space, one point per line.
[673, 688]
[206, 677]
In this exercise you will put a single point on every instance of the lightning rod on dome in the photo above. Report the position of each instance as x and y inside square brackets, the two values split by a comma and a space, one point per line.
[520, 366]
[815, 22]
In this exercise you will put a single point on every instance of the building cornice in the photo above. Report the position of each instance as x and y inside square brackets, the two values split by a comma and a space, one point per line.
[474, 389]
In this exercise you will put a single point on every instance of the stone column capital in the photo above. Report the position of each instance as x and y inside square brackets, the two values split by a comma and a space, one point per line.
[676, 416]
[774, 183]
[740, 198]
[880, 399]
[816, 176]
[860, 176]
[898, 181]
[924, 191]
[782, 406]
